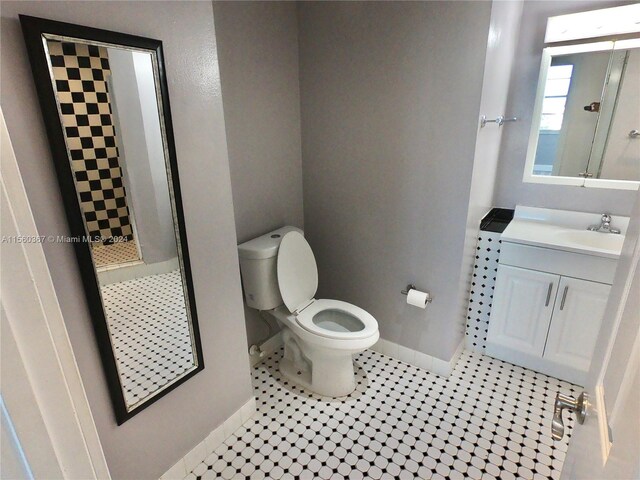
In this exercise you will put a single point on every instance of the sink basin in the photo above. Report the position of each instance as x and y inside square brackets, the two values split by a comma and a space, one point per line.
[601, 241]
[561, 237]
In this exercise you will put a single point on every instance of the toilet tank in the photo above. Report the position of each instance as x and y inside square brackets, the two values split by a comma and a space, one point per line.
[258, 266]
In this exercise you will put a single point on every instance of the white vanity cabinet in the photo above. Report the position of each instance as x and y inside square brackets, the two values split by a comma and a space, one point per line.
[577, 315]
[521, 311]
[547, 309]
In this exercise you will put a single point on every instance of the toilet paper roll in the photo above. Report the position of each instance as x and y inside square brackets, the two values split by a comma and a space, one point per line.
[417, 298]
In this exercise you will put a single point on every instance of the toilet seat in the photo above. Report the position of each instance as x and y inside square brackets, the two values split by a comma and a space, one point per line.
[298, 282]
[337, 320]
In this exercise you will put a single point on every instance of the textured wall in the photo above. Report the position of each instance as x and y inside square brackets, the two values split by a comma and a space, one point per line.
[390, 97]
[258, 48]
[510, 190]
[148, 444]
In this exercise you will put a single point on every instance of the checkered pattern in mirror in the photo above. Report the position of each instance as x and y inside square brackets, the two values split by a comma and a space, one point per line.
[80, 72]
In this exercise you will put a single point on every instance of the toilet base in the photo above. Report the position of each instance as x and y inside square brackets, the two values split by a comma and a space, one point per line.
[324, 371]
[290, 372]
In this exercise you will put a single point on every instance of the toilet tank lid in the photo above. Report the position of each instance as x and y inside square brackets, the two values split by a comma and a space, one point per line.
[264, 246]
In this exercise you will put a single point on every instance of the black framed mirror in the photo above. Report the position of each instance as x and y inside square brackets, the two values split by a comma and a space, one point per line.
[105, 104]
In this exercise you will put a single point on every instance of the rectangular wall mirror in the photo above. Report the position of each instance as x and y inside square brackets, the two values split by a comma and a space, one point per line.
[586, 121]
[105, 104]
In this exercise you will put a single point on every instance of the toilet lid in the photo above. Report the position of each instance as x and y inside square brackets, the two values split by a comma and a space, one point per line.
[297, 271]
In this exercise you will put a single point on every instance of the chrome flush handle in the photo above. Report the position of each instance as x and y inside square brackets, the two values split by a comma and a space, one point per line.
[565, 402]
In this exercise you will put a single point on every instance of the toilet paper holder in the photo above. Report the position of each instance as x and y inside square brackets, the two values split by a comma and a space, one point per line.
[411, 286]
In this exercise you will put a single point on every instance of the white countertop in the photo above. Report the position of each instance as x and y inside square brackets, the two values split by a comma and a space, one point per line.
[563, 230]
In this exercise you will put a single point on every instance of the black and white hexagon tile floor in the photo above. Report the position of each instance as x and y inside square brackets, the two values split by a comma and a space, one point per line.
[150, 332]
[488, 420]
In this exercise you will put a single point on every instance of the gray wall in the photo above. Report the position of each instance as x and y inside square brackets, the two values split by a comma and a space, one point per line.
[390, 96]
[145, 446]
[510, 190]
[258, 49]
[141, 153]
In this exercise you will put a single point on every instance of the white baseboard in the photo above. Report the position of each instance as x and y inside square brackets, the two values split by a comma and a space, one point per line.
[404, 354]
[440, 367]
[122, 273]
[418, 359]
[267, 347]
[199, 453]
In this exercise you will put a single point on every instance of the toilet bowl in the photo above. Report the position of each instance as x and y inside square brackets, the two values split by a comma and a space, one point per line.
[320, 342]
[320, 336]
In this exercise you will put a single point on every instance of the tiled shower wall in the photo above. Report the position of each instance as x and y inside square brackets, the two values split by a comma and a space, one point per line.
[81, 73]
[482, 287]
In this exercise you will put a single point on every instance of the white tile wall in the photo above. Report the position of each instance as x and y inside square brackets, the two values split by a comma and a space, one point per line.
[483, 284]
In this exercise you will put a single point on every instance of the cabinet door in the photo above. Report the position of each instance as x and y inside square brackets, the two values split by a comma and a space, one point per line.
[577, 316]
[521, 312]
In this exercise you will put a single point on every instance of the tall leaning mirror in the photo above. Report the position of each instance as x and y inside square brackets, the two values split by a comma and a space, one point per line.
[105, 105]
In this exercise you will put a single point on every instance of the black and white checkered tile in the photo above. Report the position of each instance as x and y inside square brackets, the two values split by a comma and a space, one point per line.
[488, 420]
[483, 284]
[80, 72]
[150, 332]
[115, 254]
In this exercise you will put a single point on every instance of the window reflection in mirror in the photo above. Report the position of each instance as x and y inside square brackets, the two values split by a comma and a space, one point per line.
[587, 111]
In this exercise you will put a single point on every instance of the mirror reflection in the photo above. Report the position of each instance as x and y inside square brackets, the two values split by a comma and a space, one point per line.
[616, 152]
[589, 114]
[111, 113]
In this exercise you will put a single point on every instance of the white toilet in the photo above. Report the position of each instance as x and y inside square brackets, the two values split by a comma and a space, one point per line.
[279, 275]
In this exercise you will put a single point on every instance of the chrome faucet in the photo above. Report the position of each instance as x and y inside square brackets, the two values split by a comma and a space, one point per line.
[604, 226]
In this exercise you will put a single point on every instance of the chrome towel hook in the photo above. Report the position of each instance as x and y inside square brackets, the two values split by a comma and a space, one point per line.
[500, 120]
